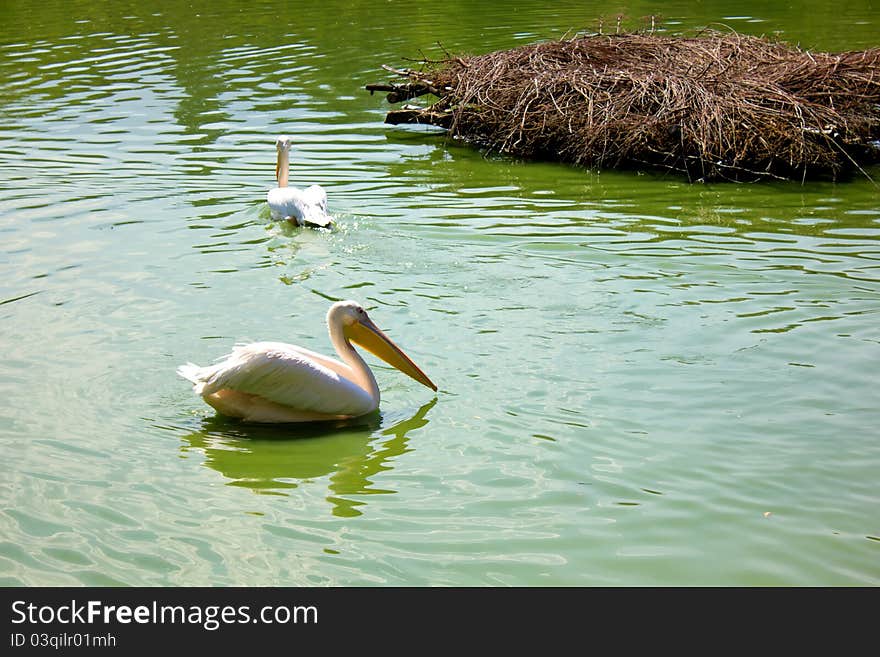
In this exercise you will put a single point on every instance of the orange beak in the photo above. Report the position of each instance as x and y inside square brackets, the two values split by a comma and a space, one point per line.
[370, 337]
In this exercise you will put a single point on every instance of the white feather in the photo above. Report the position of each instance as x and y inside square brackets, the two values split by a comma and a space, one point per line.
[303, 206]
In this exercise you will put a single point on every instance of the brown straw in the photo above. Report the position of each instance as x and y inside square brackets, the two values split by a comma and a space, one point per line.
[715, 106]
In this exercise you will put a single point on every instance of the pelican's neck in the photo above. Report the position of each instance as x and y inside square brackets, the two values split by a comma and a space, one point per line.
[361, 374]
[283, 167]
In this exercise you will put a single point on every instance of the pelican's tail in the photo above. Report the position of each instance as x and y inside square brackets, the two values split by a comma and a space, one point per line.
[316, 208]
[195, 374]
[318, 218]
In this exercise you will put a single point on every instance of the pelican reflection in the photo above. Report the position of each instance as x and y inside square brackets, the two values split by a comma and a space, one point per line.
[274, 459]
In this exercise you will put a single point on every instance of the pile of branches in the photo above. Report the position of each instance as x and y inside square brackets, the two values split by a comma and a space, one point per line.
[712, 106]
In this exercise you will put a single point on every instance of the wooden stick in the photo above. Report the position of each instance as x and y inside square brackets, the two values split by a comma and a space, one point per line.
[419, 115]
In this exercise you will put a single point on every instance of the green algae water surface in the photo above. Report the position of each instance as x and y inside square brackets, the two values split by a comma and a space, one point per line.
[642, 381]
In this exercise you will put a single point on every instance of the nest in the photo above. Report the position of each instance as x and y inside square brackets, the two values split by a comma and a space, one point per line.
[715, 106]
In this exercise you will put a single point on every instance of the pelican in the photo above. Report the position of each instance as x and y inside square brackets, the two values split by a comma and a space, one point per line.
[304, 207]
[278, 382]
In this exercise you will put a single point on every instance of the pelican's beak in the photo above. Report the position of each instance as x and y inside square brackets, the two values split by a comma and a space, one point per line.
[278, 165]
[371, 338]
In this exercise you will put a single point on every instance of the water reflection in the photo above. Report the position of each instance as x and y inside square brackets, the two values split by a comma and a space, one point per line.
[276, 459]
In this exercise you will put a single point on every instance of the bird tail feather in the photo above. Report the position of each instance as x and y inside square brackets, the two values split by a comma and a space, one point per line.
[193, 373]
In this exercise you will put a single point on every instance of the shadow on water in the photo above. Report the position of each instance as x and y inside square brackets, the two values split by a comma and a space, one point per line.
[274, 459]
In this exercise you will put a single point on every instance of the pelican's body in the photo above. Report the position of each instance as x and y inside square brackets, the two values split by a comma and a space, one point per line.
[278, 382]
[301, 206]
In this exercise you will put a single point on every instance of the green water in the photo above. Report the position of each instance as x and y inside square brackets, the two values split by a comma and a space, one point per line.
[641, 381]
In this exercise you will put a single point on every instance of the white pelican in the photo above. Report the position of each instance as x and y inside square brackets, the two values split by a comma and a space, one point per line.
[277, 382]
[304, 207]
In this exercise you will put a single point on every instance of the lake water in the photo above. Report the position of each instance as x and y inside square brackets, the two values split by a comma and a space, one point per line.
[641, 381]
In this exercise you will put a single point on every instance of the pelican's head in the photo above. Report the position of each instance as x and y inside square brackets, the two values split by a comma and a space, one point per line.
[357, 327]
[282, 143]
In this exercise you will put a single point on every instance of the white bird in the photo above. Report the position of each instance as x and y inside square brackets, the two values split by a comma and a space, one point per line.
[304, 207]
[278, 382]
